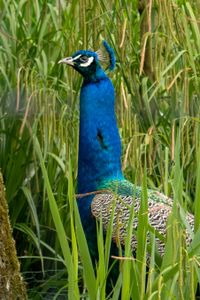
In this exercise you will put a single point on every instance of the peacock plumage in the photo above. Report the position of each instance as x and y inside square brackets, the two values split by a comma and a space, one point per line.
[100, 177]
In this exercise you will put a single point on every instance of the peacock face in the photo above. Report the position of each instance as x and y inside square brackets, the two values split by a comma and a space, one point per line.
[83, 61]
[87, 63]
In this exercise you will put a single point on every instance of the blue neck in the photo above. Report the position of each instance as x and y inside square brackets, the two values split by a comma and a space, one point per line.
[99, 141]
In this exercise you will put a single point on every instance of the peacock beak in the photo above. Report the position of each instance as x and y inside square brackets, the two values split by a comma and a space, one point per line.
[67, 60]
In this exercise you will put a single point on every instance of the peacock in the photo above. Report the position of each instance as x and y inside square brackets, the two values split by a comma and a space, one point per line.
[100, 178]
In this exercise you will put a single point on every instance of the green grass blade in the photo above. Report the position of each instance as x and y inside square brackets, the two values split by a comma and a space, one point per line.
[58, 224]
[88, 270]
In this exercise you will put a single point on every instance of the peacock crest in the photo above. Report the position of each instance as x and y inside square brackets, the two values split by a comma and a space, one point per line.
[106, 55]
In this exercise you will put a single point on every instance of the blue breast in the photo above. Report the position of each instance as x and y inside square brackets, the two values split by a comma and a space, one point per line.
[99, 141]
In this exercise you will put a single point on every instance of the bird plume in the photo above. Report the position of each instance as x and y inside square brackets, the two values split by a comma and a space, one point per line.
[106, 55]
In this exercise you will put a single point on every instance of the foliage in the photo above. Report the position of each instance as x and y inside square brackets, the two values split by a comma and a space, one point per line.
[158, 115]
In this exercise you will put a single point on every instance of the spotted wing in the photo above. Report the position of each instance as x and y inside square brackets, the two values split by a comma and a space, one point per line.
[158, 213]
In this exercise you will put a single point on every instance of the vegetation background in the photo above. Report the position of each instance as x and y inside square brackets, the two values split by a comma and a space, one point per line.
[157, 83]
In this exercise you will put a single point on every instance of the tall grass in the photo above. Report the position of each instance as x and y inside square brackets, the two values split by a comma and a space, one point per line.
[156, 102]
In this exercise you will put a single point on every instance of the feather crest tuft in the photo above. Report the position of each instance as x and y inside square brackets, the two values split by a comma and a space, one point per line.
[106, 55]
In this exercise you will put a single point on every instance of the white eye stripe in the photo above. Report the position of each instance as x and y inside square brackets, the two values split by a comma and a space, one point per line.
[77, 57]
[87, 63]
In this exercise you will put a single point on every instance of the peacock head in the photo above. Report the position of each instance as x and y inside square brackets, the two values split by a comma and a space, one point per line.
[88, 63]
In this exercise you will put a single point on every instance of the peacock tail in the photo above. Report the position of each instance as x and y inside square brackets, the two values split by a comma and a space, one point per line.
[122, 196]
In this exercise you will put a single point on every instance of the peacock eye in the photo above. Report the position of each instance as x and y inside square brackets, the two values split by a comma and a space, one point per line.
[83, 58]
